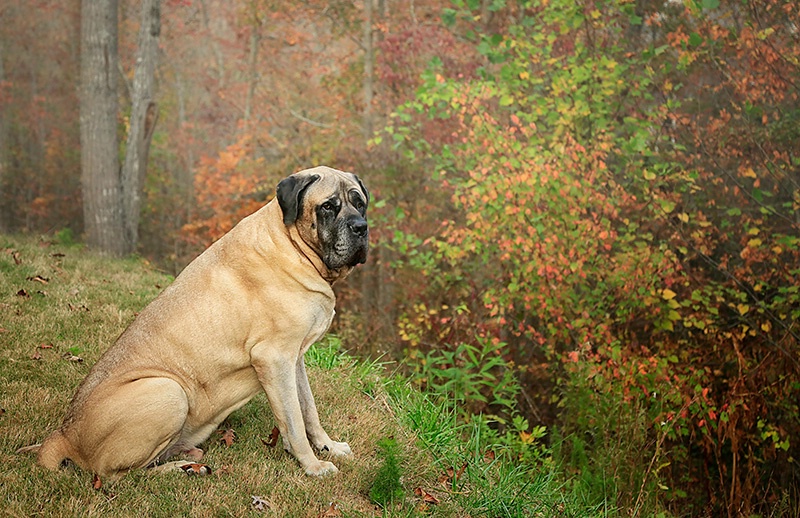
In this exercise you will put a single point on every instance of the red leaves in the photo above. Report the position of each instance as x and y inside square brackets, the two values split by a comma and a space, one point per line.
[273, 438]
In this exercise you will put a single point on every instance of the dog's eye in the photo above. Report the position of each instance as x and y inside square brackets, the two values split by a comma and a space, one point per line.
[328, 206]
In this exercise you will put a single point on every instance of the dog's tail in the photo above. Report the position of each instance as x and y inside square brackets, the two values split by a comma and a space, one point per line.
[53, 451]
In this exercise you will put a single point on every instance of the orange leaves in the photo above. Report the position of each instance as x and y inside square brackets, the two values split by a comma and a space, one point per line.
[228, 436]
[226, 188]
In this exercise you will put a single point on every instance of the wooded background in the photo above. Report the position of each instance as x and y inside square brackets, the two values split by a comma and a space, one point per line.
[598, 199]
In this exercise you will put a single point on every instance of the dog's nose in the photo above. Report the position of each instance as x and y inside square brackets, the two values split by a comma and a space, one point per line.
[358, 227]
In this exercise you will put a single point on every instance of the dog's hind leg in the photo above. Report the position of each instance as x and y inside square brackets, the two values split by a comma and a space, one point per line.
[128, 426]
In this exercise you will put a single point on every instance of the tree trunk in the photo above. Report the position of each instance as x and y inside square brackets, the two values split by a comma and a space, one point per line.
[100, 178]
[144, 113]
[4, 197]
[369, 68]
[252, 62]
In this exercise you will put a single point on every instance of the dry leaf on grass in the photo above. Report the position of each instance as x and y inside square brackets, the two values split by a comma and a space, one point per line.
[331, 511]
[426, 497]
[39, 279]
[273, 438]
[225, 469]
[451, 474]
[259, 503]
[228, 437]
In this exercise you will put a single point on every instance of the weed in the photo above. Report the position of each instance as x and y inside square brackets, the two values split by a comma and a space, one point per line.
[387, 488]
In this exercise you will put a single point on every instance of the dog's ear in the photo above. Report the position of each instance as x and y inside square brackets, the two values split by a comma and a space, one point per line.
[290, 195]
[363, 187]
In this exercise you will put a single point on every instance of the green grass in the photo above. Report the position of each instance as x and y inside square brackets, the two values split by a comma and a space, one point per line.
[79, 305]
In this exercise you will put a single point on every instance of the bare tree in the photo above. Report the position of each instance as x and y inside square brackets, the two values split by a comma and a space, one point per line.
[144, 113]
[4, 224]
[100, 178]
[369, 68]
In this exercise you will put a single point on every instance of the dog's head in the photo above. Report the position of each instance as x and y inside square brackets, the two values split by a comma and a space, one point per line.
[329, 210]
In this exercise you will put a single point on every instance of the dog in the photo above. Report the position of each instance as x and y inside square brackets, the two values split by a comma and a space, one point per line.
[236, 321]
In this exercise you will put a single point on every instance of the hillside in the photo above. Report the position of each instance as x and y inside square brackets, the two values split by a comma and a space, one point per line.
[61, 307]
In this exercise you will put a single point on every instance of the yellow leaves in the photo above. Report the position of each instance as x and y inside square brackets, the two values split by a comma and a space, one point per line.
[667, 206]
[683, 217]
[743, 308]
[749, 173]
[668, 294]
[649, 175]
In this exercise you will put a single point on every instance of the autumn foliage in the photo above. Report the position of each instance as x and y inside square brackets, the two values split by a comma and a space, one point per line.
[624, 193]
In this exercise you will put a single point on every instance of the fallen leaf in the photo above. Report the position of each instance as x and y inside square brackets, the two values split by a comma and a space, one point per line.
[72, 358]
[427, 498]
[96, 483]
[259, 503]
[194, 469]
[72, 307]
[228, 436]
[273, 438]
[39, 278]
[16, 256]
[331, 511]
[23, 293]
[225, 469]
[45, 346]
[36, 355]
[489, 456]
[58, 254]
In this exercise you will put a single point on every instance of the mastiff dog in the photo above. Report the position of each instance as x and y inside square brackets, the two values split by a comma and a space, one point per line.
[237, 320]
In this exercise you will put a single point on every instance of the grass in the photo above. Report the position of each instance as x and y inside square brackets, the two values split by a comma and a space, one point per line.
[62, 306]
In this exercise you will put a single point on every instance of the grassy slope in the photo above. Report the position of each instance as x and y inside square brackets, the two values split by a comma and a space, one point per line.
[84, 305]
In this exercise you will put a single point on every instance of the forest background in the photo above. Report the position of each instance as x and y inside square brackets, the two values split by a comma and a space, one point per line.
[584, 213]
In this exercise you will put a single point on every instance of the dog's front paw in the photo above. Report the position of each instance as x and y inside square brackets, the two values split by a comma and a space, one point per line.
[336, 448]
[321, 468]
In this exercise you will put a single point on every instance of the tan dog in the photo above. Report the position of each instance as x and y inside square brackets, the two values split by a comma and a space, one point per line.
[236, 321]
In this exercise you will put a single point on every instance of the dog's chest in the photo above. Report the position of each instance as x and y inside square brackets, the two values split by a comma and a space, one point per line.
[322, 320]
